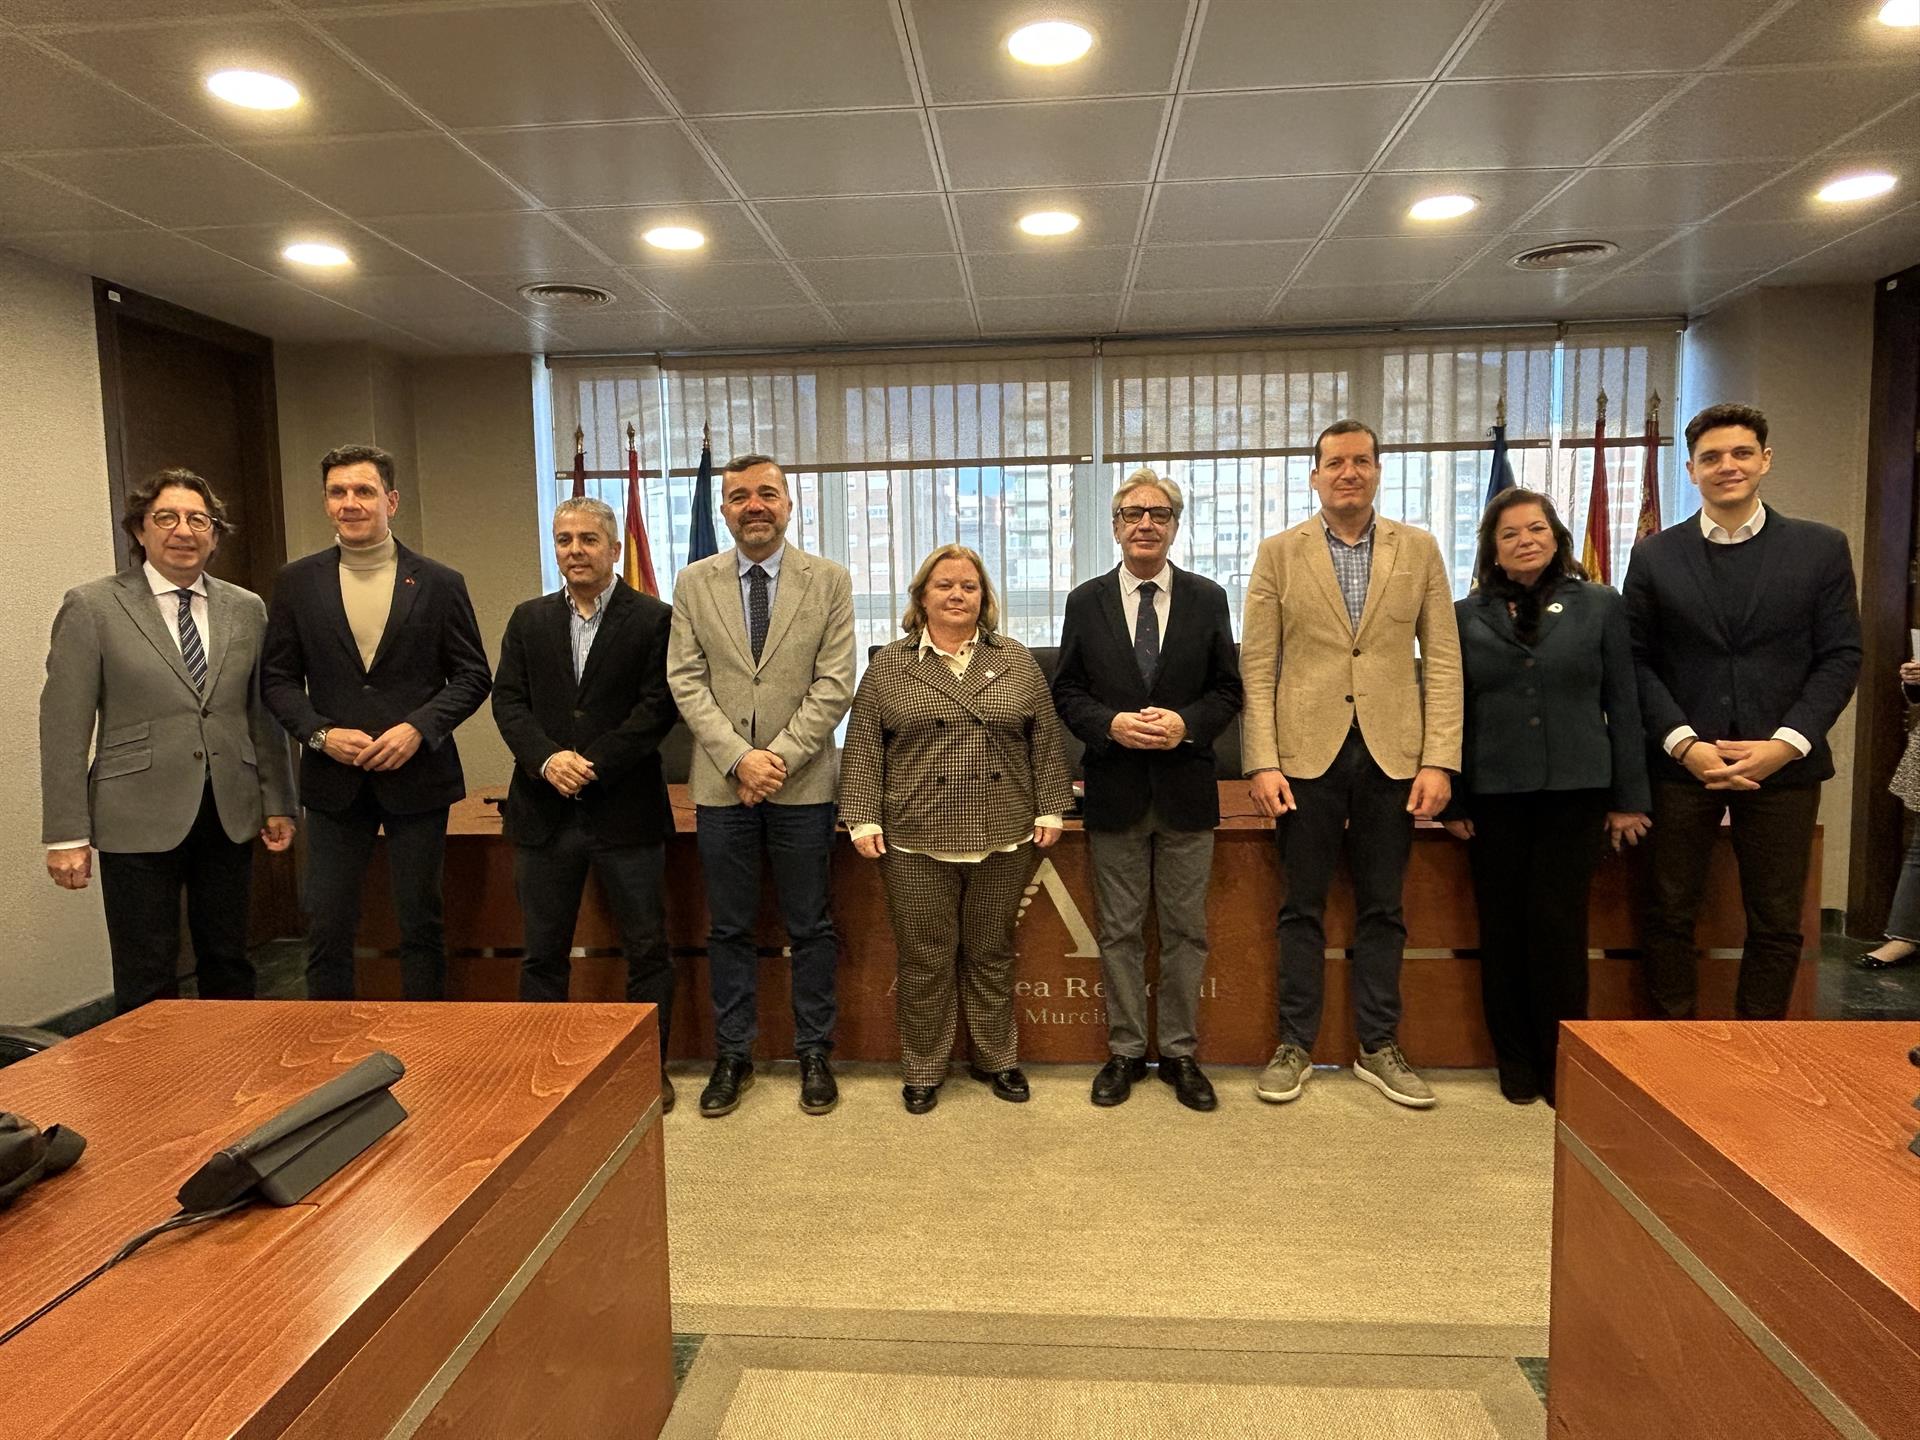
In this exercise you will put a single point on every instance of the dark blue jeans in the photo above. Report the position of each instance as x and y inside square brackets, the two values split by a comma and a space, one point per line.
[339, 847]
[550, 878]
[798, 841]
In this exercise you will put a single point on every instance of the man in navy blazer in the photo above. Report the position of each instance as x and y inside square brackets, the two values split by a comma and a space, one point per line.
[1148, 679]
[1746, 643]
[372, 657]
[581, 699]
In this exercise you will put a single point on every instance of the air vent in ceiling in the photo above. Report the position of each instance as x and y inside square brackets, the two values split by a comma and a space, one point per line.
[567, 296]
[1566, 255]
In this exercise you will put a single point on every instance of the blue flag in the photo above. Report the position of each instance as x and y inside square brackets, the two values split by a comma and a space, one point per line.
[1500, 473]
[701, 542]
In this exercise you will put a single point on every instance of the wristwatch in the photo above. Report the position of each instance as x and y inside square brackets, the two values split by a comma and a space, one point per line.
[318, 740]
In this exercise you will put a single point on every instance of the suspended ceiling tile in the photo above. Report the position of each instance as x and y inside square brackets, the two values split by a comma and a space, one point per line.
[1059, 272]
[29, 203]
[1504, 195]
[1052, 315]
[1342, 304]
[1204, 211]
[1514, 297]
[768, 325]
[1638, 196]
[859, 153]
[731, 236]
[187, 185]
[893, 320]
[963, 48]
[1069, 142]
[1739, 247]
[168, 66]
[261, 246]
[1800, 113]
[1577, 37]
[1523, 124]
[1196, 309]
[723, 287]
[502, 65]
[630, 163]
[894, 278]
[737, 57]
[860, 225]
[1431, 258]
[497, 243]
[1811, 32]
[1284, 132]
[69, 12]
[1109, 215]
[1640, 293]
[1219, 267]
[1254, 44]
[388, 174]
[143, 259]
[49, 105]
[609, 330]
[1883, 248]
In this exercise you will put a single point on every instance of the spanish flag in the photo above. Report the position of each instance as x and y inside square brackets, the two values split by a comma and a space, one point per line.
[1596, 557]
[637, 567]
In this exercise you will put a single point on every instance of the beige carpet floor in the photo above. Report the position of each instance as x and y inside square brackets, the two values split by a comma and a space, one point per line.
[761, 1389]
[1339, 1224]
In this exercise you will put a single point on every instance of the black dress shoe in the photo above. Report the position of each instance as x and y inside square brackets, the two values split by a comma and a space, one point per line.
[818, 1092]
[1519, 1087]
[731, 1078]
[1190, 1087]
[1114, 1083]
[1871, 961]
[1007, 1084]
[666, 1093]
[920, 1098]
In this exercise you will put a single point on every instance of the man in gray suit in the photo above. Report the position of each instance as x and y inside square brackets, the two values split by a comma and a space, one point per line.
[156, 667]
[760, 661]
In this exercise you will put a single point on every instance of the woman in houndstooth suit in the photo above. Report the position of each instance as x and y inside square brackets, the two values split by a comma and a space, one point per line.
[953, 779]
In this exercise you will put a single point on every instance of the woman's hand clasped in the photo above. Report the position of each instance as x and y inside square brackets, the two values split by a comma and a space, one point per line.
[1045, 835]
[872, 847]
[1626, 827]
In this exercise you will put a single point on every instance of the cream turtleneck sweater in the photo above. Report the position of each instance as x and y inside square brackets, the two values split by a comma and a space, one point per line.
[366, 588]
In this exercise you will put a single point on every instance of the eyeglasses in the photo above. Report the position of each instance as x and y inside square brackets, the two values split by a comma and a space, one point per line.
[1134, 514]
[198, 521]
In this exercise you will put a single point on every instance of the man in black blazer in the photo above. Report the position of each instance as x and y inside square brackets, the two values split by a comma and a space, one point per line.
[1746, 642]
[1149, 709]
[372, 657]
[581, 699]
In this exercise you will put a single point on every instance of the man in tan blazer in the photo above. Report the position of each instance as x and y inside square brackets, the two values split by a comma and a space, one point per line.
[760, 662]
[1343, 742]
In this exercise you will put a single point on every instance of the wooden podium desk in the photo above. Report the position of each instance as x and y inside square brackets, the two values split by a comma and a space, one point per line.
[1736, 1233]
[1058, 993]
[493, 1267]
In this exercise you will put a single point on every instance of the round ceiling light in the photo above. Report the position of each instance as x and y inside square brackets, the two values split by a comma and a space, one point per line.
[313, 253]
[1049, 42]
[1050, 222]
[254, 90]
[1443, 207]
[1900, 14]
[674, 237]
[1849, 188]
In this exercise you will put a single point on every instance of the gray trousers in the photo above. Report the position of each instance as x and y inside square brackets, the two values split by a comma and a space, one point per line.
[1147, 861]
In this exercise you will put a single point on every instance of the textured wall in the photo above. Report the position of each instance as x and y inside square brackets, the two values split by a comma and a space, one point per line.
[54, 955]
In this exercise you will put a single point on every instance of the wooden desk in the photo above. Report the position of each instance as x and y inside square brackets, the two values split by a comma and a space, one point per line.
[495, 1266]
[1061, 1009]
[1736, 1233]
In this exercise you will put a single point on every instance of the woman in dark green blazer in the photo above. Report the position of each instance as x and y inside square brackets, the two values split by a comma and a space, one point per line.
[1553, 768]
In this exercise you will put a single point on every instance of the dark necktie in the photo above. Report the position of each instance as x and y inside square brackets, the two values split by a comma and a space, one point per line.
[1146, 633]
[756, 610]
[190, 649]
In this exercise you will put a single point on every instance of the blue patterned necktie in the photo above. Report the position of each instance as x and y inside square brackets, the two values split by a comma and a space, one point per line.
[756, 610]
[1146, 633]
[190, 650]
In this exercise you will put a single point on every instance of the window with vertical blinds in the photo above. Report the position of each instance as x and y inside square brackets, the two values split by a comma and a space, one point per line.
[1017, 453]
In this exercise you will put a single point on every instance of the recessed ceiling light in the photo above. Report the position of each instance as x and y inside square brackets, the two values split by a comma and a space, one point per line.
[1856, 187]
[674, 237]
[1049, 42]
[311, 253]
[1901, 14]
[1442, 207]
[254, 90]
[1050, 222]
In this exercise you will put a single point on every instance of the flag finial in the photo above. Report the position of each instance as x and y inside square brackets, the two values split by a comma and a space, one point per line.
[630, 434]
[1653, 408]
[579, 440]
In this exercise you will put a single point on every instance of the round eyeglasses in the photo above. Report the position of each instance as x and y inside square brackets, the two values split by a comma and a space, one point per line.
[198, 521]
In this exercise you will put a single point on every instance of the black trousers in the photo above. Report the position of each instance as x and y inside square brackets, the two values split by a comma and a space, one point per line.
[1533, 857]
[141, 894]
[1358, 804]
[550, 879]
[1773, 845]
[339, 846]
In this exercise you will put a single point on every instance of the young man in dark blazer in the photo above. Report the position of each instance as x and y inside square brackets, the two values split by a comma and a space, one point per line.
[1148, 679]
[1746, 642]
[581, 699]
[372, 657]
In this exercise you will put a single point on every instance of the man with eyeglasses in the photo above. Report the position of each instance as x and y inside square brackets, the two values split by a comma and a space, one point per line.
[372, 658]
[155, 670]
[1148, 680]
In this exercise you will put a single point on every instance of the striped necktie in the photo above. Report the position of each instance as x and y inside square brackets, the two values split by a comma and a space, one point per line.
[190, 649]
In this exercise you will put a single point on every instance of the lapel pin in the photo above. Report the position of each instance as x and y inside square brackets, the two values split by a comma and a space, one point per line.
[1555, 608]
[407, 581]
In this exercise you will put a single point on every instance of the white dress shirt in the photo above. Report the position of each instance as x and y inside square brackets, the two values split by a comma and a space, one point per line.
[1162, 601]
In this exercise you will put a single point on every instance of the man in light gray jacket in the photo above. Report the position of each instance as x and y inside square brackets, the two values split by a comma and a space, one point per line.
[157, 669]
[760, 661]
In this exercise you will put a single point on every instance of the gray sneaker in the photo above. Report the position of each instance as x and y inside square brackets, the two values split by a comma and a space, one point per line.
[1386, 1069]
[1286, 1075]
